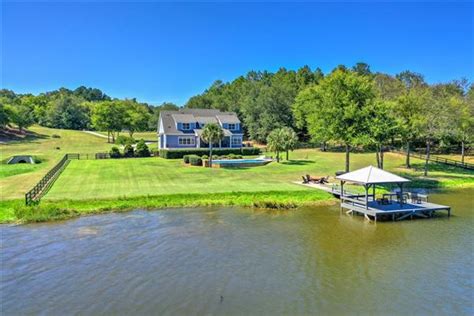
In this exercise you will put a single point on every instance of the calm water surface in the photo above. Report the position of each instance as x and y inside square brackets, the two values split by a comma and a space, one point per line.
[241, 261]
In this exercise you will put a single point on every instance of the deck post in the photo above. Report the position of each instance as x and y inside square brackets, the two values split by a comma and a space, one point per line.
[373, 192]
[401, 195]
[366, 196]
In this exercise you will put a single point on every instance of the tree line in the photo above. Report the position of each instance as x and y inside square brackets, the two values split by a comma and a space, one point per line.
[82, 108]
[349, 106]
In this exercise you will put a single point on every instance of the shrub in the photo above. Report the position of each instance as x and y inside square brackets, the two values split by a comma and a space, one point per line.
[142, 149]
[179, 153]
[195, 160]
[115, 152]
[124, 140]
[186, 158]
[128, 151]
[204, 157]
[37, 159]
[55, 136]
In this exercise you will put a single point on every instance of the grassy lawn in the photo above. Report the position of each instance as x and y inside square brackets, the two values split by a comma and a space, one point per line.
[15, 180]
[105, 179]
[90, 186]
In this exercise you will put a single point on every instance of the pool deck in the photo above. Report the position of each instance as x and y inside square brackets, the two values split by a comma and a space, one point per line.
[355, 204]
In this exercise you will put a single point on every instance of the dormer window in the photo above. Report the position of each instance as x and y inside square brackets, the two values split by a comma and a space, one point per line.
[232, 126]
[186, 126]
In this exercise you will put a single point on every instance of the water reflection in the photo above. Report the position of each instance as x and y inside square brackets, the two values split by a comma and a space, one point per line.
[241, 261]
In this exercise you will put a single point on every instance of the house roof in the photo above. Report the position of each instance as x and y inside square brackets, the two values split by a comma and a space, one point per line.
[183, 118]
[371, 175]
[228, 118]
[206, 119]
[170, 118]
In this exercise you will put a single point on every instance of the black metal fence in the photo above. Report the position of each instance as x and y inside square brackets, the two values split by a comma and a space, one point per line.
[39, 190]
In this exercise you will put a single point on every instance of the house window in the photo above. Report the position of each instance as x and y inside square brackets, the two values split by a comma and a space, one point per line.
[186, 140]
[236, 141]
[232, 126]
[186, 126]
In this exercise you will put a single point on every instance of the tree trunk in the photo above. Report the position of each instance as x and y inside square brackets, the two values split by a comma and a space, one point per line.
[287, 155]
[377, 156]
[381, 157]
[408, 155]
[324, 145]
[108, 136]
[347, 157]
[462, 151]
[113, 137]
[210, 154]
[427, 157]
[130, 133]
[278, 156]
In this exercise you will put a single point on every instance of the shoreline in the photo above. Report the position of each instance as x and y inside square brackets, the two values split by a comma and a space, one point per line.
[15, 212]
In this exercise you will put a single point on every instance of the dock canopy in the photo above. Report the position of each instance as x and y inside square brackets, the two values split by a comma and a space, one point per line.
[371, 175]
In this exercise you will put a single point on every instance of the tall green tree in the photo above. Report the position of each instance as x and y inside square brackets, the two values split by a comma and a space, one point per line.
[212, 133]
[382, 127]
[408, 111]
[67, 112]
[22, 116]
[137, 116]
[461, 121]
[108, 116]
[433, 123]
[340, 103]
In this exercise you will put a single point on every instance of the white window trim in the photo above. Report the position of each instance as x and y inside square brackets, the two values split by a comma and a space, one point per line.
[236, 140]
[186, 129]
[186, 140]
[234, 126]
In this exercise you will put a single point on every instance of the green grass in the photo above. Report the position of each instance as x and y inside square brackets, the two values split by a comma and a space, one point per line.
[15, 211]
[91, 186]
[15, 180]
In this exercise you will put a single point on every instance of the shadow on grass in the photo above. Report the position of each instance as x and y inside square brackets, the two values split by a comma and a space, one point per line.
[9, 136]
[299, 162]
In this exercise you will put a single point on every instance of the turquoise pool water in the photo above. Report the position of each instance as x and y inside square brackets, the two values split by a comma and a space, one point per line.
[241, 161]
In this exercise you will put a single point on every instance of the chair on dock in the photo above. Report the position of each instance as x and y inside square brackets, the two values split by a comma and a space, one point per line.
[415, 198]
[401, 198]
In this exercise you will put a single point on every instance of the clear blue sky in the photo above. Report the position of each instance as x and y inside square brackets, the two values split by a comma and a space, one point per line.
[168, 52]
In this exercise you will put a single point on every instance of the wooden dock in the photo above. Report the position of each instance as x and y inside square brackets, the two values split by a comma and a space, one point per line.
[372, 210]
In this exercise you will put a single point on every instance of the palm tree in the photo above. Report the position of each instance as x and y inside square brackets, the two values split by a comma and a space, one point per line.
[211, 134]
[290, 140]
[275, 142]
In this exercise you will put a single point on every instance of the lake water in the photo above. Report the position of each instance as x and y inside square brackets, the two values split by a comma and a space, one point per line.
[241, 261]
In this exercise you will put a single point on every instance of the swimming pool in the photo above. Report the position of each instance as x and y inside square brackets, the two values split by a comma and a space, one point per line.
[240, 162]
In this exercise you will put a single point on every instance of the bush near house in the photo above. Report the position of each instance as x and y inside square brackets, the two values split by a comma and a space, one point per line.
[128, 151]
[186, 158]
[180, 153]
[195, 160]
[142, 149]
[115, 152]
